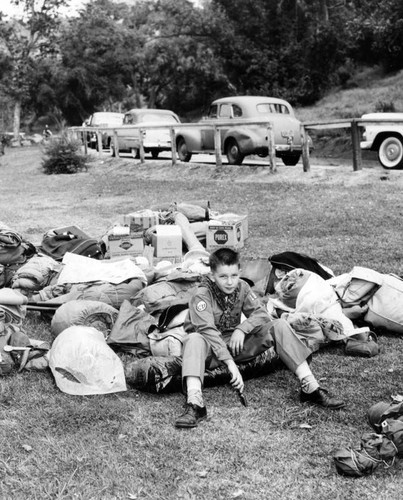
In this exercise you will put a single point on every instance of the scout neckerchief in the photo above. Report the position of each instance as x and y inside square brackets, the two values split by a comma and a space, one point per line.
[225, 302]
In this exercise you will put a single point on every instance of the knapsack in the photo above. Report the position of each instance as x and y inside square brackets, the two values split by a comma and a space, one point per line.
[288, 261]
[14, 248]
[14, 252]
[57, 245]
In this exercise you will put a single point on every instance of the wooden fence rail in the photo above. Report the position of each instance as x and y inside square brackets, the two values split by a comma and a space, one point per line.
[353, 124]
[80, 131]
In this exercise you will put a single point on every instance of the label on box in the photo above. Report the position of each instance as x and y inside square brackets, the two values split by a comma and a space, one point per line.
[230, 218]
[224, 235]
[125, 245]
[172, 260]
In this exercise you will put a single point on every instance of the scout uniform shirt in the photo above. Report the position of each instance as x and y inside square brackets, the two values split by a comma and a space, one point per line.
[205, 314]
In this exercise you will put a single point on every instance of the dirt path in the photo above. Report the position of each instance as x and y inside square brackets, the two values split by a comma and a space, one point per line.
[336, 170]
[323, 170]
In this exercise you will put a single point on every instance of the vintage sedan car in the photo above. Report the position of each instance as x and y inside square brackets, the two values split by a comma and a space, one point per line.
[155, 140]
[385, 138]
[99, 120]
[244, 139]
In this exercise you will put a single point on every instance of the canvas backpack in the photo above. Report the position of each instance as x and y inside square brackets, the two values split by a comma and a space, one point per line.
[57, 245]
[13, 247]
[14, 252]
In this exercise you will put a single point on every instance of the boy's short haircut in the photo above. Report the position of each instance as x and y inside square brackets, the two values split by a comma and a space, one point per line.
[224, 257]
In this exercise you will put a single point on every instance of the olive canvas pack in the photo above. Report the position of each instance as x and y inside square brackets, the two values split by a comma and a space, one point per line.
[56, 246]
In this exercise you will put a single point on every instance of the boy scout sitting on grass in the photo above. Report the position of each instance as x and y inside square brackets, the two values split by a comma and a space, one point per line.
[217, 335]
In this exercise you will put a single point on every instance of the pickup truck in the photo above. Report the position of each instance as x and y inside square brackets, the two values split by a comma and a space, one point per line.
[155, 140]
[98, 120]
[385, 138]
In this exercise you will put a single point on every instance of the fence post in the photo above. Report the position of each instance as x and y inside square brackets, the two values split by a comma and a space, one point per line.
[355, 138]
[272, 148]
[99, 142]
[173, 145]
[85, 142]
[116, 143]
[141, 145]
[217, 146]
[305, 150]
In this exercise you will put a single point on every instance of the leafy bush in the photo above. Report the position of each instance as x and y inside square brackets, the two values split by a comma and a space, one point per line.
[63, 156]
[385, 107]
[5, 140]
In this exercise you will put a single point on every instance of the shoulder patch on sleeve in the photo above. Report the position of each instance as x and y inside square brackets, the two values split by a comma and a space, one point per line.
[201, 305]
[252, 295]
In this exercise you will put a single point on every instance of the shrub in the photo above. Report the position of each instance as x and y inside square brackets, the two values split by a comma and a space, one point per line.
[63, 156]
[385, 107]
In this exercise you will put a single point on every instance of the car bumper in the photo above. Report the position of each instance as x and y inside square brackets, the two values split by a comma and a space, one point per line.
[366, 144]
[156, 145]
[288, 149]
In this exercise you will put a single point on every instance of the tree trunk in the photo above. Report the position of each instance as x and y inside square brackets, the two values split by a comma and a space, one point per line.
[324, 13]
[17, 121]
[151, 98]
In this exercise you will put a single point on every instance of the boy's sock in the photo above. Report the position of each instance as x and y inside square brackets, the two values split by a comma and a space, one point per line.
[306, 377]
[309, 384]
[195, 397]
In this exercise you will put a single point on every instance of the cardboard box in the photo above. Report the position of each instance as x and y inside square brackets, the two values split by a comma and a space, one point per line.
[167, 241]
[231, 218]
[143, 219]
[121, 246]
[223, 234]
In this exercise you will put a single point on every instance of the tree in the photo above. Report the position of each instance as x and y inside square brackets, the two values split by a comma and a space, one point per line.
[99, 63]
[180, 68]
[155, 53]
[285, 48]
[25, 41]
[388, 34]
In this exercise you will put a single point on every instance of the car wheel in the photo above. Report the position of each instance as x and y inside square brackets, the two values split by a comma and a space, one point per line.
[234, 155]
[182, 149]
[291, 160]
[155, 153]
[390, 152]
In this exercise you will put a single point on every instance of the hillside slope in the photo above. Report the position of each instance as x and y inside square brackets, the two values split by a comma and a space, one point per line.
[368, 91]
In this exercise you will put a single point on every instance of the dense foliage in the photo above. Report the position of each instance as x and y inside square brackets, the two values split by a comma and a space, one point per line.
[180, 54]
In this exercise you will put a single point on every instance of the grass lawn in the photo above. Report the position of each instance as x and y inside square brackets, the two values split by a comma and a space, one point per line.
[124, 446]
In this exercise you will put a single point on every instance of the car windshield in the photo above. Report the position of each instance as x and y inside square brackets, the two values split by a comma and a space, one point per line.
[107, 119]
[155, 117]
[271, 107]
[133, 118]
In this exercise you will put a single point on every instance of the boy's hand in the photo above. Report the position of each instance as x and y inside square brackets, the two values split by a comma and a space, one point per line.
[236, 377]
[236, 342]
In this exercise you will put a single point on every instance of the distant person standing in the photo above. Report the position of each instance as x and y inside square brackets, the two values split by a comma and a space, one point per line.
[3, 142]
[46, 132]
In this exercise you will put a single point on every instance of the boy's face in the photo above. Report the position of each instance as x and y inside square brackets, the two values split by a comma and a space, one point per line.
[226, 277]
